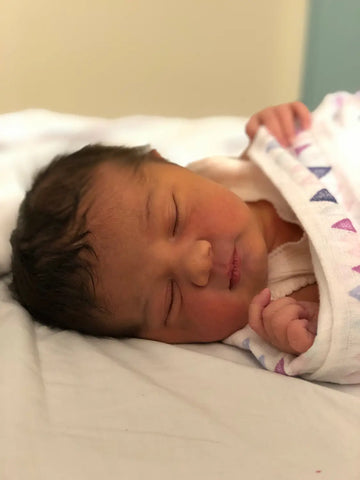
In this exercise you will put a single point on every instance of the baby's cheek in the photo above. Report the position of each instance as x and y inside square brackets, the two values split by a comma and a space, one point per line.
[217, 317]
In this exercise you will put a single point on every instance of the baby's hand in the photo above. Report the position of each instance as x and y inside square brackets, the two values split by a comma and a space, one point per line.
[281, 121]
[287, 324]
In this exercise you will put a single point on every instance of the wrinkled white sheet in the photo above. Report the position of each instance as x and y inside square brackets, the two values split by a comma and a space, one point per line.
[84, 408]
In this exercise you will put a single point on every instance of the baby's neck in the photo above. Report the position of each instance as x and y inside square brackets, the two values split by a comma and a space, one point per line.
[276, 231]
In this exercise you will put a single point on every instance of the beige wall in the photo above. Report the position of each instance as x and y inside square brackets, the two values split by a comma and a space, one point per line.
[167, 57]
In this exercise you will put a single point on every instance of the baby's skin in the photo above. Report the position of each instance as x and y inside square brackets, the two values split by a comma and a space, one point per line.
[169, 242]
[287, 323]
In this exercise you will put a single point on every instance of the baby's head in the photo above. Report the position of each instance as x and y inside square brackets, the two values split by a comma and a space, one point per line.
[53, 256]
[117, 241]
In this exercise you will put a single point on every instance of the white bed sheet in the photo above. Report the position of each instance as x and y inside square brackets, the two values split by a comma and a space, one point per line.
[78, 407]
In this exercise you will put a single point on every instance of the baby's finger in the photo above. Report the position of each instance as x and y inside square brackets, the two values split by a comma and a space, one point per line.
[270, 120]
[301, 112]
[276, 322]
[299, 337]
[252, 127]
[256, 307]
[279, 305]
[262, 299]
[285, 117]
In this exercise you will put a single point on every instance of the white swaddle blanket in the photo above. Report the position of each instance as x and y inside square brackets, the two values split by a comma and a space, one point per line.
[320, 179]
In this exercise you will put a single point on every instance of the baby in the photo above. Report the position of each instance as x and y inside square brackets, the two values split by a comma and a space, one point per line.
[118, 241]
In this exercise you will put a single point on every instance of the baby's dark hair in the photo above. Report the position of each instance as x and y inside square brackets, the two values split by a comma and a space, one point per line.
[52, 257]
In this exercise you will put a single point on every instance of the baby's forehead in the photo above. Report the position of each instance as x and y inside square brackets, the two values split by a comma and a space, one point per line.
[112, 220]
[108, 173]
[118, 193]
[109, 203]
[109, 180]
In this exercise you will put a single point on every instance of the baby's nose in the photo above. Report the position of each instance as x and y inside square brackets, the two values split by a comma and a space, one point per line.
[198, 262]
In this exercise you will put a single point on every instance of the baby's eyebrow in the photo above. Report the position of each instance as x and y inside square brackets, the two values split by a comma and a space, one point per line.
[148, 207]
[146, 218]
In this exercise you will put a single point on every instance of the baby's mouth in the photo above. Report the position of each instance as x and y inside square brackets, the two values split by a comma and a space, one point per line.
[234, 272]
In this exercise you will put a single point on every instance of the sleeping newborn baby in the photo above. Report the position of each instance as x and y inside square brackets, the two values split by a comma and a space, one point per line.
[116, 241]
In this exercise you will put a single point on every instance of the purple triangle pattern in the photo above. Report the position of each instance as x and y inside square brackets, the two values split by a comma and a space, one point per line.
[246, 344]
[320, 171]
[344, 224]
[355, 293]
[300, 149]
[356, 269]
[280, 367]
[323, 195]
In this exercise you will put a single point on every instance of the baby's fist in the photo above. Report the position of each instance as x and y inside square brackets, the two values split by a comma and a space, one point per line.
[285, 323]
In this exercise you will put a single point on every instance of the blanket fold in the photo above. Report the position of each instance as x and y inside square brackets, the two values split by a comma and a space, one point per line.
[319, 176]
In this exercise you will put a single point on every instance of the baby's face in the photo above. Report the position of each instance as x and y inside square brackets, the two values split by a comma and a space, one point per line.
[178, 254]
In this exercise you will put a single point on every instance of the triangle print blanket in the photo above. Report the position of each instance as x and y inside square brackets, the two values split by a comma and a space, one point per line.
[320, 178]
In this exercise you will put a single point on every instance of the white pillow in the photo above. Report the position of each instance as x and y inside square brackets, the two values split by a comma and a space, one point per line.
[30, 139]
